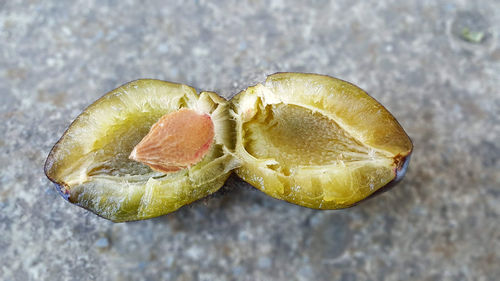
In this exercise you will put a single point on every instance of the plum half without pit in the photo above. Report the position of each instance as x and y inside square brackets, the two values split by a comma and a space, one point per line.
[149, 147]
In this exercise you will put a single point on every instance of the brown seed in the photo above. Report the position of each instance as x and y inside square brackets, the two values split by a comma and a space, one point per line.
[176, 141]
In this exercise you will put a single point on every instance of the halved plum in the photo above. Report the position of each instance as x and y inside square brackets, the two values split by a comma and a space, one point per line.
[149, 147]
[317, 141]
[91, 165]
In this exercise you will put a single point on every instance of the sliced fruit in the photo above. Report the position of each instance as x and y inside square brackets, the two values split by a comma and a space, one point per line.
[317, 141]
[91, 165]
[149, 147]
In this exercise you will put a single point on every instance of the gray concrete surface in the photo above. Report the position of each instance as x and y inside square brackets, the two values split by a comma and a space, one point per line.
[441, 223]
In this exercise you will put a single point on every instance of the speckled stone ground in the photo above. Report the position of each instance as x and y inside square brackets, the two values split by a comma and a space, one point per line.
[441, 223]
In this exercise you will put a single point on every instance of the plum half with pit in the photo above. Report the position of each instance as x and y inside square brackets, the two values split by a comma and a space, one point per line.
[105, 163]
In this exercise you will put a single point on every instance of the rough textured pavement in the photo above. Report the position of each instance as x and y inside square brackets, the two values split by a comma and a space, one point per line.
[434, 64]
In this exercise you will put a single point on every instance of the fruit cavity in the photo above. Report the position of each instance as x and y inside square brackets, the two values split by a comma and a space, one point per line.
[317, 141]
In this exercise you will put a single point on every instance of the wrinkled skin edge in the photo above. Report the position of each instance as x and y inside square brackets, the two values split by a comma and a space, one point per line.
[59, 186]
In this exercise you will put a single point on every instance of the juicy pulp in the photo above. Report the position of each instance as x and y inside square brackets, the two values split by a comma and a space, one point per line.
[316, 141]
[90, 162]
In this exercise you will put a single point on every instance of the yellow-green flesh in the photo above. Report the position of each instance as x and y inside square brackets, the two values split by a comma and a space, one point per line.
[295, 147]
[91, 162]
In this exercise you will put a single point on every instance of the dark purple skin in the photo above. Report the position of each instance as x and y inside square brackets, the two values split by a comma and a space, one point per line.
[400, 173]
[60, 187]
